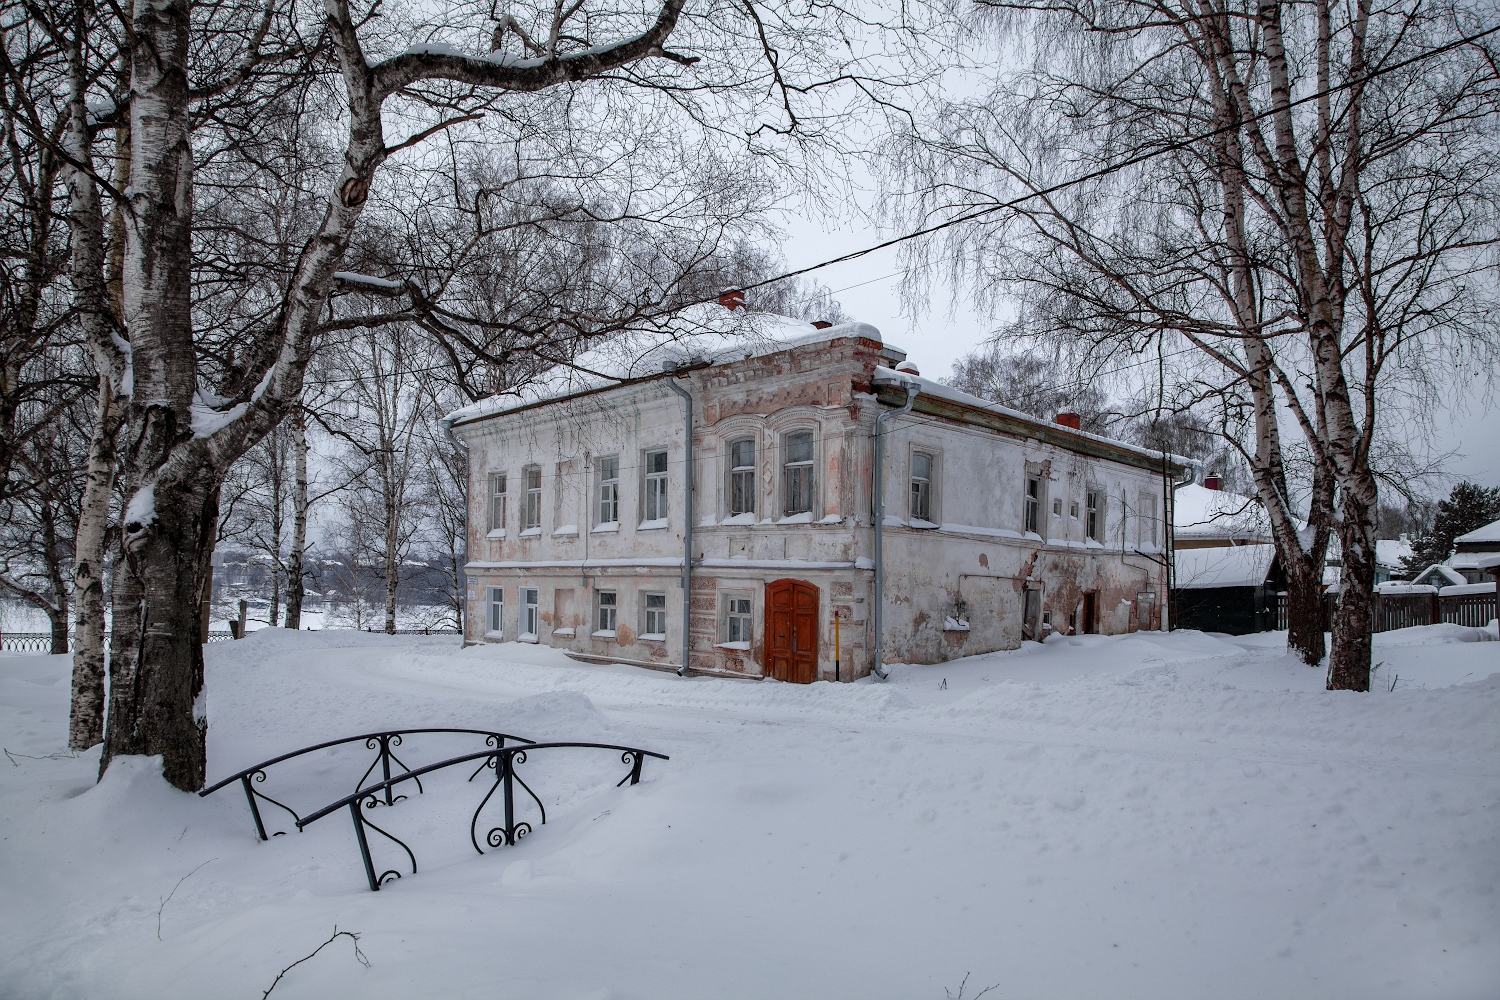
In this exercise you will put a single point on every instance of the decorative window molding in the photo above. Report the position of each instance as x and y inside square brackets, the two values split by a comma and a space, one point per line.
[655, 486]
[497, 503]
[799, 477]
[606, 612]
[742, 476]
[532, 516]
[923, 472]
[739, 618]
[654, 617]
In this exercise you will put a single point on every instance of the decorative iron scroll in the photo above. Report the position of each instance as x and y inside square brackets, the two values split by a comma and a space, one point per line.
[504, 761]
[381, 743]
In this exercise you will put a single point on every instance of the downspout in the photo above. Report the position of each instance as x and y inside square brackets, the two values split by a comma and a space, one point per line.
[879, 491]
[1171, 523]
[463, 625]
[687, 535]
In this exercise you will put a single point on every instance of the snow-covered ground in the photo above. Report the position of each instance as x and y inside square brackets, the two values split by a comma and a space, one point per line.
[1153, 815]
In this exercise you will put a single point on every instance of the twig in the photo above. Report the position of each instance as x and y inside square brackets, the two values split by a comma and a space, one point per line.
[351, 935]
[59, 755]
[169, 896]
[960, 994]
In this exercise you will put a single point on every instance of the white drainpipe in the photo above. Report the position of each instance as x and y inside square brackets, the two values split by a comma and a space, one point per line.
[878, 489]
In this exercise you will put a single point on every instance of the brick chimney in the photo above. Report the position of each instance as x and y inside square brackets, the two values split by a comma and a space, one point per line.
[1211, 481]
[732, 300]
[821, 324]
[1072, 420]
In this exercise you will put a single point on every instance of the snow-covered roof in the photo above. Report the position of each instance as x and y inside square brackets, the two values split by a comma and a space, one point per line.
[1489, 533]
[1447, 574]
[928, 387]
[1403, 587]
[1224, 566]
[1390, 551]
[1200, 512]
[1488, 560]
[707, 333]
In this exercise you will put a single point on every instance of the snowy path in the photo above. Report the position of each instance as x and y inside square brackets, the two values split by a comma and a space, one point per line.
[1151, 816]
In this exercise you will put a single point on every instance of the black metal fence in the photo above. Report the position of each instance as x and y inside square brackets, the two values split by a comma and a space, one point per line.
[1393, 611]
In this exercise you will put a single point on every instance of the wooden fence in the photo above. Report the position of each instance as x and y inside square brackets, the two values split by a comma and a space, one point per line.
[1393, 611]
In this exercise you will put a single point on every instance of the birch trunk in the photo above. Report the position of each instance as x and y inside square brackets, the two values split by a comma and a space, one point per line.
[99, 321]
[294, 587]
[392, 544]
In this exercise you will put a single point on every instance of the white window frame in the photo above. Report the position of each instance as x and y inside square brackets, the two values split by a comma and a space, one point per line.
[741, 479]
[1148, 519]
[1094, 507]
[800, 475]
[532, 516]
[919, 499]
[1031, 505]
[734, 615]
[497, 502]
[653, 614]
[611, 607]
[531, 614]
[654, 503]
[495, 613]
[609, 490]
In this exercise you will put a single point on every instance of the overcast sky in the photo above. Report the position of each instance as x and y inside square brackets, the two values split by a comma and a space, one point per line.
[868, 288]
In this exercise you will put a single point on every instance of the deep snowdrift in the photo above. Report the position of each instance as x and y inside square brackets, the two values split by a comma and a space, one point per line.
[1154, 815]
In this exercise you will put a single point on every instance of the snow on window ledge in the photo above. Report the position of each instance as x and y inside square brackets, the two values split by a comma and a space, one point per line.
[738, 647]
[892, 521]
[803, 518]
[1090, 543]
[604, 633]
[1031, 536]
[838, 519]
[864, 562]
[653, 636]
[653, 525]
[531, 533]
[955, 625]
[739, 519]
[918, 522]
[567, 632]
[494, 635]
[496, 533]
[528, 637]
[605, 527]
[567, 529]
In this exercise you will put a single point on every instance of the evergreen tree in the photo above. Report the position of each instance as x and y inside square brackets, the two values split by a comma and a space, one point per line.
[1469, 506]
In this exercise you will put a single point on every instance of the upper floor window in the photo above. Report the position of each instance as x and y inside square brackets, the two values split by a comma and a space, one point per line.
[1148, 518]
[921, 486]
[799, 472]
[1093, 510]
[742, 477]
[656, 485]
[497, 500]
[1032, 515]
[609, 490]
[533, 518]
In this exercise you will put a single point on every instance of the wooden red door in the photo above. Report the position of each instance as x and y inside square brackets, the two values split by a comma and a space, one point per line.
[792, 631]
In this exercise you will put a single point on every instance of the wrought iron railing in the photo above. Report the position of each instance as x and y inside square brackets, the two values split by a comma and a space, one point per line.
[26, 642]
[381, 743]
[504, 761]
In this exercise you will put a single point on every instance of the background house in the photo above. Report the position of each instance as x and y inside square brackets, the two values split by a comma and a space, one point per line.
[1229, 589]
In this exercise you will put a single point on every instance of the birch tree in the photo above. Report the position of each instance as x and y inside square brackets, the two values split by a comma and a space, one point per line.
[1300, 197]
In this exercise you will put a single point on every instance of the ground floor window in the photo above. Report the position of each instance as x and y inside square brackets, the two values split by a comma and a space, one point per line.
[656, 617]
[608, 607]
[738, 624]
[496, 624]
[530, 613]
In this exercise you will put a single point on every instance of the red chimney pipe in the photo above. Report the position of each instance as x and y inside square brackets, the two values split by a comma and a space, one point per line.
[1211, 482]
[821, 324]
[732, 300]
[1072, 420]
[909, 369]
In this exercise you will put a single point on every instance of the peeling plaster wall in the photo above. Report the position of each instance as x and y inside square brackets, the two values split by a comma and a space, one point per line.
[970, 560]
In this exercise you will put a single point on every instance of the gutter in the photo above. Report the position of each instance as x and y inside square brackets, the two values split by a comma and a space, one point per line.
[878, 489]
[687, 535]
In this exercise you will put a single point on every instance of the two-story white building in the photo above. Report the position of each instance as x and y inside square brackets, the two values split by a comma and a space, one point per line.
[1000, 526]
